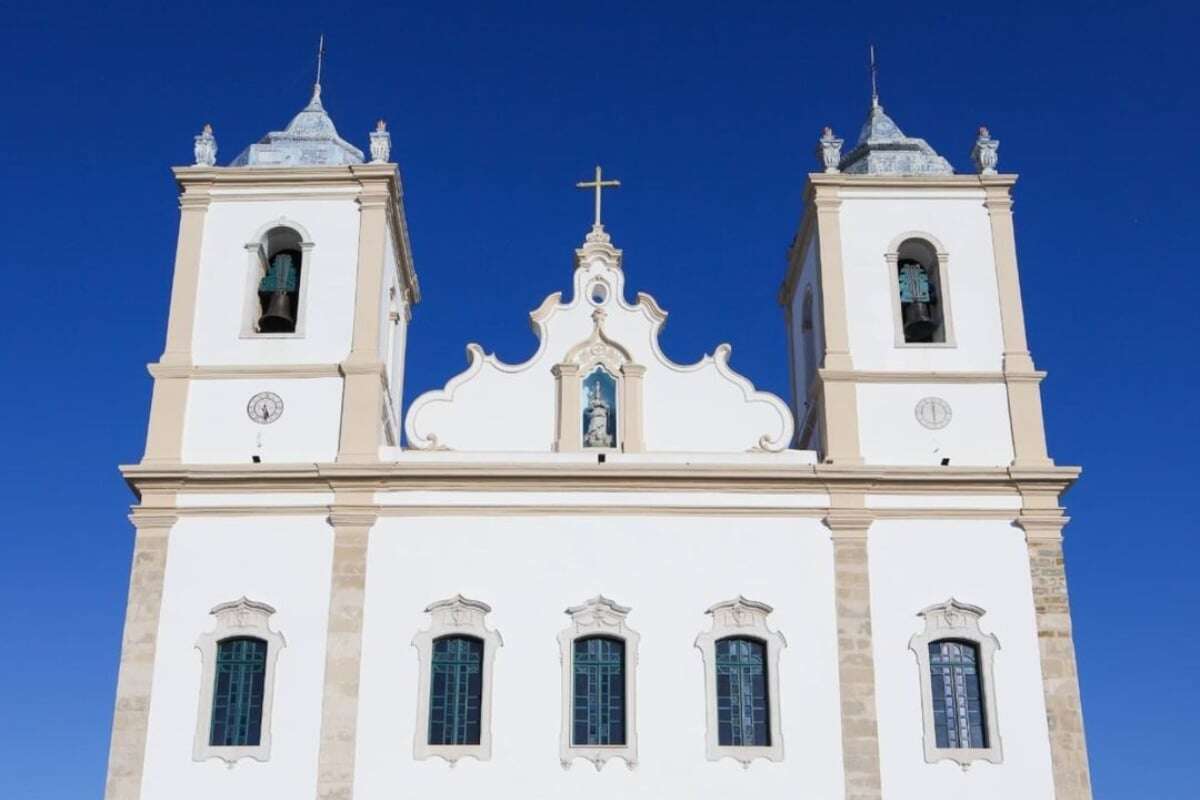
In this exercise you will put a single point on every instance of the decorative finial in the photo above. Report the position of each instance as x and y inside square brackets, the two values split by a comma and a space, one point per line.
[829, 150]
[205, 148]
[984, 154]
[599, 184]
[381, 143]
[874, 79]
[320, 58]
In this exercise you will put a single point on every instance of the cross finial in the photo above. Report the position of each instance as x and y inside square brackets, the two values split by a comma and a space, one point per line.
[599, 184]
[874, 79]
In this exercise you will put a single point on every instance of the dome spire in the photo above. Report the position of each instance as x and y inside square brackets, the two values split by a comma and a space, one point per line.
[874, 78]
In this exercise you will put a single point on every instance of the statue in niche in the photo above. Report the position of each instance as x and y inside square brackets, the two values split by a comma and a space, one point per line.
[599, 413]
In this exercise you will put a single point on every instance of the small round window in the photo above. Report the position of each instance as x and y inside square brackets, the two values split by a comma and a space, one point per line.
[598, 293]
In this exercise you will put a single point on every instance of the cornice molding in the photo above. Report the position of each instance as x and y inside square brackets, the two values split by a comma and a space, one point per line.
[914, 376]
[231, 371]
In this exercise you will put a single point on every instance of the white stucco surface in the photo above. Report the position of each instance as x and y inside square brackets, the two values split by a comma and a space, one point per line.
[225, 281]
[529, 569]
[211, 561]
[218, 430]
[914, 564]
[978, 433]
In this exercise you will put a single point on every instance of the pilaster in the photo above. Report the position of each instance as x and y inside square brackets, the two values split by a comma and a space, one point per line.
[127, 749]
[848, 522]
[365, 375]
[569, 433]
[632, 439]
[1060, 677]
[352, 517]
[1021, 380]
[164, 434]
[839, 399]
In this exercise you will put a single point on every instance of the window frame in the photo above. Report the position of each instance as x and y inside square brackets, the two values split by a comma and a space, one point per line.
[598, 617]
[741, 618]
[954, 620]
[940, 279]
[241, 618]
[257, 262]
[455, 616]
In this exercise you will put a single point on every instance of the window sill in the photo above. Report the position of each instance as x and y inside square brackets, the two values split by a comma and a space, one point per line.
[925, 345]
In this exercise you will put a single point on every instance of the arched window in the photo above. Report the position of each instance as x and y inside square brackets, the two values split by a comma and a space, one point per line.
[957, 694]
[456, 654]
[917, 271]
[808, 333]
[741, 682]
[954, 657]
[598, 696]
[598, 653]
[456, 691]
[743, 710]
[237, 683]
[237, 704]
[279, 287]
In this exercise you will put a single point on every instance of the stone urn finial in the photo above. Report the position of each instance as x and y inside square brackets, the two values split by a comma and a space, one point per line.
[381, 143]
[829, 150]
[205, 148]
[983, 154]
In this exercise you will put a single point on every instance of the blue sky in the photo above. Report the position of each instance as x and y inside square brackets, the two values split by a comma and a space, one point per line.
[708, 113]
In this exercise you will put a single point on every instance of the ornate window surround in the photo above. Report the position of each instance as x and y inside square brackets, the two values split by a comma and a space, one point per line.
[955, 620]
[241, 617]
[942, 281]
[460, 616]
[257, 262]
[741, 618]
[598, 617]
[580, 361]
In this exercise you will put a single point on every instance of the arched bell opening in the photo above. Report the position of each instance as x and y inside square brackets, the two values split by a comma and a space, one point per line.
[279, 288]
[919, 284]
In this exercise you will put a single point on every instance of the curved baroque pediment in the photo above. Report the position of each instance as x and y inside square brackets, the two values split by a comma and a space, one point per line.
[499, 407]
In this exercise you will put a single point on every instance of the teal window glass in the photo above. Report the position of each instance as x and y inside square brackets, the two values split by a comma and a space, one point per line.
[958, 713]
[237, 708]
[598, 707]
[743, 711]
[456, 690]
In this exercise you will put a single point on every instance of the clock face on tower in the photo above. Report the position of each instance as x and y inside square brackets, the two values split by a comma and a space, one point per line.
[265, 407]
[933, 413]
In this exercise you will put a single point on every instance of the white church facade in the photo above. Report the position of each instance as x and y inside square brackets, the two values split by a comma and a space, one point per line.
[597, 573]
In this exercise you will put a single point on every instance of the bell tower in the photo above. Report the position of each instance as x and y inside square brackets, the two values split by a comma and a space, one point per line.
[290, 302]
[907, 335]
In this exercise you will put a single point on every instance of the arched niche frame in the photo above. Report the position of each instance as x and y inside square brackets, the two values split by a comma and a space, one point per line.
[930, 253]
[278, 234]
[582, 360]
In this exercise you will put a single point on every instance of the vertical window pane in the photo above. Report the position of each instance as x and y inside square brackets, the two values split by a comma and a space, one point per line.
[743, 715]
[456, 690]
[241, 672]
[958, 713]
[598, 697]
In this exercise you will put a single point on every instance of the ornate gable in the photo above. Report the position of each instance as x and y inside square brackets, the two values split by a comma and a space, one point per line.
[599, 379]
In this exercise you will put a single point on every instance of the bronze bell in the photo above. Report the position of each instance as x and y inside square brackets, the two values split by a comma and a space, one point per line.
[919, 324]
[278, 316]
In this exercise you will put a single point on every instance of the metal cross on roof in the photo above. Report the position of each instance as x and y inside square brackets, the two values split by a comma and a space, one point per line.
[599, 184]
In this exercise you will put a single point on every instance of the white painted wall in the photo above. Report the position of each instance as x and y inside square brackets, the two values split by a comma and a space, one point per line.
[914, 564]
[669, 569]
[870, 219]
[213, 560]
[978, 433]
[329, 270]
[218, 430]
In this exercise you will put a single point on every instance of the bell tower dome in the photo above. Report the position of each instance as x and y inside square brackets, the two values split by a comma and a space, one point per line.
[290, 302]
